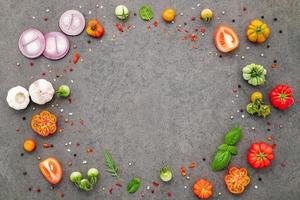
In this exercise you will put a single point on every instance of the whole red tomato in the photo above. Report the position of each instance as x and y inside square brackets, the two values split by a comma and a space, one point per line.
[281, 97]
[260, 155]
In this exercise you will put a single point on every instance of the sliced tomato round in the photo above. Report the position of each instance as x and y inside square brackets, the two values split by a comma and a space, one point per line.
[51, 170]
[226, 39]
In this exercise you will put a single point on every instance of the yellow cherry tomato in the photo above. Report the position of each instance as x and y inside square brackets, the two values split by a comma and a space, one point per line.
[29, 145]
[168, 15]
[257, 31]
[206, 15]
[256, 96]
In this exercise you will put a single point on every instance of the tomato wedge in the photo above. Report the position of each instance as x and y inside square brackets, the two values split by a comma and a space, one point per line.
[51, 170]
[226, 39]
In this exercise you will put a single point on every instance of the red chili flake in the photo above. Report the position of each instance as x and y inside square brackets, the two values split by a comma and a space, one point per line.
[269, 123]
[169, 194]
[18, 129]
[202, 30]
[119, 185]
[142, 194]
[31, 64]
[155, 23]
[81, 121]
[196, 30]
[274, 145]
[38, 190]
[62, 195]
[69, 100]
[119, 27]
[283, 164]
[193, 18]
[179, 30]
[274, 65]
[45, 19]
[152, 191]
[149, 28]
[89, 150]
[76, 58]
[77, 144]
[244, 9]
[183, 171]
[155, 184]
[234, 90]
[192, 165]
[71, 69]
[110, 190]
[46, 145]
[194, 47]
[270, 138]
[187, 31]
[194, 37]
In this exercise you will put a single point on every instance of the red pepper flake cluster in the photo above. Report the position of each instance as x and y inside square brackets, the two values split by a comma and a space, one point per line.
[119, 27]
[155, 184]
[183, 171]
[155, 23]
[192, 37]
[192, 165]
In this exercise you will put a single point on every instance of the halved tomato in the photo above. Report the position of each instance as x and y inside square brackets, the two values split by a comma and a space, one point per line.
[226, 39]
[51, 170]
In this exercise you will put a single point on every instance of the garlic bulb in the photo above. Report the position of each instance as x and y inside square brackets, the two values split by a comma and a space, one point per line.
[41, 91]
[18, 98]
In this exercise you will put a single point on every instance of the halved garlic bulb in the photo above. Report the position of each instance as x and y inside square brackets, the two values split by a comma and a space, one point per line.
[18, 98]
[41, 91]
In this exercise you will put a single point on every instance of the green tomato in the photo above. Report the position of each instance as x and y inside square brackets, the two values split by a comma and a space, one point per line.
[254, 74]
[264, 111]
[85, 185]
[63, 91]
[75, 177]
[252, 108]
[93, 174]
[122, 12]
[165, 174]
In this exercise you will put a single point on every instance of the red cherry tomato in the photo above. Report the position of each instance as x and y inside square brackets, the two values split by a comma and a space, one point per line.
[51, 169]
[226, 39]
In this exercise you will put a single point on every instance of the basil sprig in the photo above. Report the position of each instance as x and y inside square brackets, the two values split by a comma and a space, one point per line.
[133, 185]
[146, 12]
[225, 151]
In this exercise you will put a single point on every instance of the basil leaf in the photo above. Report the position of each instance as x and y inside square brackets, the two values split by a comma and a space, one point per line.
[221, 160]
[233, 136]
[233, 150]
[146, 12]
[133, 185]
[223, 147]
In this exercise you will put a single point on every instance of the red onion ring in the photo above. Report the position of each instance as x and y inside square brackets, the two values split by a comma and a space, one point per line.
[32, 43]
[72, 22]
[57, 45]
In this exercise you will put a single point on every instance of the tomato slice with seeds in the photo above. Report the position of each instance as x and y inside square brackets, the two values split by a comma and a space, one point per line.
[51, 170]
[226, 39]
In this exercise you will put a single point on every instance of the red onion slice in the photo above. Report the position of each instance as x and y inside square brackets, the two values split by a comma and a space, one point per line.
[32, 43]
[72, 22]
[57, 45]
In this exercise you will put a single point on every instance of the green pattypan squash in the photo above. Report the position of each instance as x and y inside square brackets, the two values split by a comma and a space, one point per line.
[254, 74]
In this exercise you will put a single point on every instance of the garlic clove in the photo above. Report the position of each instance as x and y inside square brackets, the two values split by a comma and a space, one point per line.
[18, 98]
[41, 91]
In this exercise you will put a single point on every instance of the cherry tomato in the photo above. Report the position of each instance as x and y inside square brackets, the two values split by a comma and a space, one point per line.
[168, 15]
[51, 170]
[29, 145]
[256, 96]
[226, 39]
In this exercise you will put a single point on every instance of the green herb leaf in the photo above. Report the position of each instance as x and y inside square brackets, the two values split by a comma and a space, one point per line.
[221, 160]
[233, 136]
[112, 168]
[223, 147]
[133, 185]
[233, 150]
[146, 12]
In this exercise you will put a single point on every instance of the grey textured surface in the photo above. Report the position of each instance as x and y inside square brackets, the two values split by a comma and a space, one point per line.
[150, 99]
